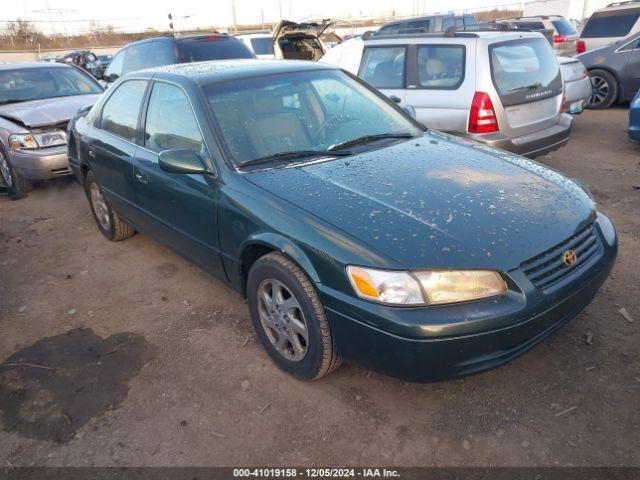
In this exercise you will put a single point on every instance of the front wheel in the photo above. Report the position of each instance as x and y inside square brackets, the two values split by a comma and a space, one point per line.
[17, 185]
[109, 222]
[289, 319]
[605, 89]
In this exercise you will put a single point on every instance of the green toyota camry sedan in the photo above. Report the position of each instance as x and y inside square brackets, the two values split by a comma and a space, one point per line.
[355, 233]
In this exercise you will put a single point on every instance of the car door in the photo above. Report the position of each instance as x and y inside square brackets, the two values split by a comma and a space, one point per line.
[182, 208]
[436, 86]
[631, 77]
[385, 67]
[112, 147]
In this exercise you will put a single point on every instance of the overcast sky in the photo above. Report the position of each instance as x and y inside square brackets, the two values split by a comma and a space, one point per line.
[72, 15]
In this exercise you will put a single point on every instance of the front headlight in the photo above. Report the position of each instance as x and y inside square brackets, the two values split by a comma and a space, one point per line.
[434, 287]
[29, 141]
[22, 141]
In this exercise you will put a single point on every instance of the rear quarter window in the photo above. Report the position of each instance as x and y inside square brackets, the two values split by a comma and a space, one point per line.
[611, 24]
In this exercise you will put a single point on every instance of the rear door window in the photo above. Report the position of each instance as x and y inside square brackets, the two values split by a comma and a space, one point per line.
[533, 26]
[611, 24]
[441, 66]
[384, 67]
[120, 112]
[524, 70]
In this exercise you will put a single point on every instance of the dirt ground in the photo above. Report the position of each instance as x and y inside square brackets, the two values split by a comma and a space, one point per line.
[149, 361]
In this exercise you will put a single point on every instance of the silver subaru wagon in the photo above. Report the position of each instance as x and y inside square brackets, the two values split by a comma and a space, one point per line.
[501, 88]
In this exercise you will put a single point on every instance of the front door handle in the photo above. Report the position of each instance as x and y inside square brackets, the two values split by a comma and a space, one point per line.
[141, 178]
[394, 98]
[91, 153]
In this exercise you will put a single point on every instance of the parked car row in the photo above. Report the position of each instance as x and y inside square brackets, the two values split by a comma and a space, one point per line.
[373, 198]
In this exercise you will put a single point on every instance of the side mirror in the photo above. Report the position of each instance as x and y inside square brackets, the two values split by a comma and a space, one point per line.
[181, 160]
[410, 110]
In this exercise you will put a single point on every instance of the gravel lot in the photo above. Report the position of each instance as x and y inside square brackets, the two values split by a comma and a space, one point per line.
[156, 363]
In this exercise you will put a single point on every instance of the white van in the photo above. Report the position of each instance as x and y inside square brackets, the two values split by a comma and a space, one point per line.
[612, 23]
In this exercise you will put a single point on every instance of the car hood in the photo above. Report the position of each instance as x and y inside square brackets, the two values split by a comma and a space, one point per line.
[438, 202]
[48, 111]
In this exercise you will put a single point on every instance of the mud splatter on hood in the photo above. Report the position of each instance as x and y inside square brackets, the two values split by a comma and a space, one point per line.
[438, 202]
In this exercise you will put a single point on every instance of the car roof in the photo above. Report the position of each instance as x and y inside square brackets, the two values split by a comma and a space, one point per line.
[17, 65]
[223, 70]
[459, 36]
[177, 38]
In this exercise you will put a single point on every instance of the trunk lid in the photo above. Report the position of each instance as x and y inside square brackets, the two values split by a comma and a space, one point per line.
[528, 82]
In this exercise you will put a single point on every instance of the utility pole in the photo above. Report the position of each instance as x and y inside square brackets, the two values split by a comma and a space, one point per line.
[233, 13]
[171, 23]
[585, 9]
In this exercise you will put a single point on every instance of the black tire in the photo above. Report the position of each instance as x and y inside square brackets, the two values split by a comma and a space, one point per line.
[108, 221]
[605, 89]
[321, 357]
[17, 185]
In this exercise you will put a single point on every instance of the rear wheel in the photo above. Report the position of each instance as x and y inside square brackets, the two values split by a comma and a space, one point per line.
[109, 222]
[289, 319]
[605, 89]
[17, 185]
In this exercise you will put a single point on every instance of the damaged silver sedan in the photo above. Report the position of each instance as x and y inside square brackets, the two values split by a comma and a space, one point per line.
[36, 103]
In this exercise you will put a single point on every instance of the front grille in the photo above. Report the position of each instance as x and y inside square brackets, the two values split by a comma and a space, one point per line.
[548, 268]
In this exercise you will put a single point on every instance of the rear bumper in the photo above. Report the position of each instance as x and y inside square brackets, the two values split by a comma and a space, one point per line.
[41, 164]
[532, 145]
[437, 352]
[577, 91]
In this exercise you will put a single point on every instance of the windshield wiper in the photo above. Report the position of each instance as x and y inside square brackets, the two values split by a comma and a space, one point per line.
[533, 86]
[293, 155]
[368, 138]
[13, 100]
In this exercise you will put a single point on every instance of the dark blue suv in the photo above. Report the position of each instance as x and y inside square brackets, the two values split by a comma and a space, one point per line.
[170, 49]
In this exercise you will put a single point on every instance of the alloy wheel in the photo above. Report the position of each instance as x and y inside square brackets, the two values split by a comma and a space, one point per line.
[282, 319]
[600, 91]
[100, 206]
[5, 172]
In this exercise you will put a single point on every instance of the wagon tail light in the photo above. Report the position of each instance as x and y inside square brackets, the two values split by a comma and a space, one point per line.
[482, 118]
[581, 47]
[564, 101]
[559, 38]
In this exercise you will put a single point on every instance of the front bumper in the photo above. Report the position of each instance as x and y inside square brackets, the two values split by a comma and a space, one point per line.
[435, 343]
[41, 164]
[533, 144]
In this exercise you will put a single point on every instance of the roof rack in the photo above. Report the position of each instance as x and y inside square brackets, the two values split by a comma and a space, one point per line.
[619, 4]
[453, 31]
[484, 27]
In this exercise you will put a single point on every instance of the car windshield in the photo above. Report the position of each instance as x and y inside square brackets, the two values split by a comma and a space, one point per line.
[213, 47]
[262, 45]
[303, 111]
[25, 84]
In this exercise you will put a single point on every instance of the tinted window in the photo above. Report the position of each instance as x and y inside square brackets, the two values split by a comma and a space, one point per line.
[564, 27]
[26, 84]
[521, 68]
[534, 26]
[170, 121]
[213, 47]
[139, 57]
[440, 66]
[383, 67]
[470, 20]
[120, 112]
[114, 70]
[610, 24]
[314, 110]
[262, 46]
[417, 25]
